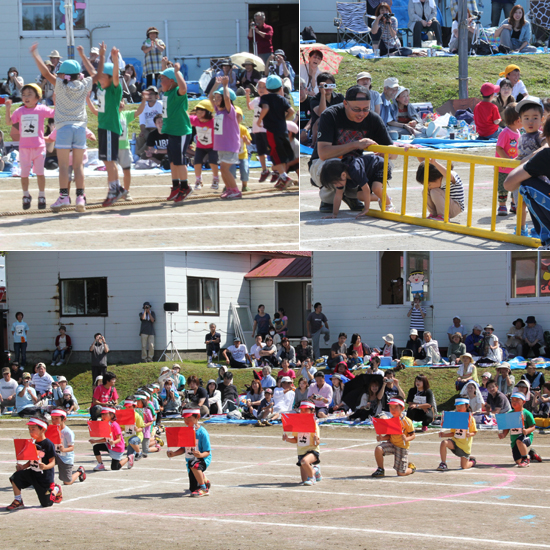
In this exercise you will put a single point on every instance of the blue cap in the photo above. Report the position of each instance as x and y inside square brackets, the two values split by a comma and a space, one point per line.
[70, 66]
[461, 401]
[519, 395]
[169, 73]
[108, 69]
[273, 82]
[232, 94]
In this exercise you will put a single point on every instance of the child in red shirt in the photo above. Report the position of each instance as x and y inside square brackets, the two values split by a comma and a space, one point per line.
[486, 115]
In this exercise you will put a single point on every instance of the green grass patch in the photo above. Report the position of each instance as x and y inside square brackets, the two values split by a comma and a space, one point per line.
[435, 79]
[130, 377]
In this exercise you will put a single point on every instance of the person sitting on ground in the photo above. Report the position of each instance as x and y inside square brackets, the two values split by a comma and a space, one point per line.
[342, 369]
[515, 32]
[337, 404]
[392, 388]
[505, 379]
[542, 402]
[62, 386]
[256, 348]
[197, 396]
[374, 366]
[238, 355]
[310, 71]
[405, 116]
[453, 44]
[248, 78]
[485, 377]
[267, 380]
[372, 401]
[228, 390]
[338, 351]
[421, 401]
[156, 144]
[26, 400]
[171, 400]
[457, 326]
[287, 351]
[514, 343]
[391, 86]
[474, 341]
[437, 184]
[359, 347]
[364, 79]
[301, 392]
[42, 381]
[466, 372]
[179, 379]
[486, 114]
[308, 370]
[533, 337]
[456, 348]
[212, 341]
[8, 389]
[303, 351]
[286, 370]
[472, 391]
[279, 66]
[388, 349]
[431, 349]
[269, 353]
[497, 402]
[386, 22]
[414, 343]
[13, 85]
[513, 74]
[492, 352]
[283, 398]
[321, 394]
[214, 397]
[265, 410]
[504, 98]
[62, 344]
[423, 18]
[254, 397]
[535, 379]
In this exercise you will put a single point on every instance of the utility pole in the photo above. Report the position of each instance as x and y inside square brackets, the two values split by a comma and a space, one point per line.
[462, 50]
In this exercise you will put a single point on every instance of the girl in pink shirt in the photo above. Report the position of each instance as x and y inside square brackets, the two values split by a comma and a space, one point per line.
[204, 124]
[32, 148]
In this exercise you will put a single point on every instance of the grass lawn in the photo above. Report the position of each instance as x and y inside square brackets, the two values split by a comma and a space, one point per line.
[435, 79]
[130, 377]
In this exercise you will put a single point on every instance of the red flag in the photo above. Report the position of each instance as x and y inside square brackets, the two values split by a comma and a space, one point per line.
[25, 449]
[99, 429]
[304, 423]
[384, 426]
[126, 417]
[53, 433]
[181, 437]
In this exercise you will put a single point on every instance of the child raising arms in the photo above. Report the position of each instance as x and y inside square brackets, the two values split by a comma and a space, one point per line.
[461, 442]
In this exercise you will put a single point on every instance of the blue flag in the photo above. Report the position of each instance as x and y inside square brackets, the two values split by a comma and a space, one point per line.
[453, 420]
[509, 421]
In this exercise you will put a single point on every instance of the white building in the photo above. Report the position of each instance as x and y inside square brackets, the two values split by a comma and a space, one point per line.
[191, 29]
[355, 289]
[91, 292]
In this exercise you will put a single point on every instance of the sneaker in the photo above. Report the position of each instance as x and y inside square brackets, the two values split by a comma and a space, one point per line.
[41, 203]
[325, 208]
[267, 423]
[412, 467]
[544, 247]
[524, 232]
[143, 455]
[82, 472]
[130, 462]
[53, 364]
[208, 485]
[60, 363]
[80, 205]
[379, 473]
[438, 218]
[173, 193]
[235, 194]
[200, 493]
[533, 233]
[15, 505]
[60, 203]
[502, 210]
[283, 182]
[442, 467]
[183, 193]
[260, 424]
[389, 205]
[309, 481]
[424, 428]
[533, 455]
[264, 175]
[215, 184]
[524, 463]
[26, 202]
[120, 193]
[99, 468]
[138, 456]
[318, 476]
[274, 176]
[353, 204]
[58, 497]
[128, 197]
[513, 208]
[159, 441]
[473, 459]
[198, 184]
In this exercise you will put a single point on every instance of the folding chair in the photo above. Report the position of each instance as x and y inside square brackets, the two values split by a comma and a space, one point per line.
[351, 23]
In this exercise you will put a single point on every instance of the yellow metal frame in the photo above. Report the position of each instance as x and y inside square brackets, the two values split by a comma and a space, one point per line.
[467, 229]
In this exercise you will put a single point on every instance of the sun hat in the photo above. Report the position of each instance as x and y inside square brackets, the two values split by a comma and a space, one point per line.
[391, 82]
[98, 378]
[232, 94]
[205, 105]
[489, 89]
[35, 87]
[504, 365]
[226, 62]
[413, 332]
[54, 53]
[396, 401]
[249, 61]
[70, 66]
[268, 390]
[164, 369]
[388, 338]
[466, 355]
[489, 326]
[292, 127]
[37, 422]
[94, 50]
[67, 392]
[486, 375]
[176, 366]
[363, 74]
[477, 327]
[457, 317]
[273, 82]
[61, 379]
[150, 30]
[238, 110]
[518, 395]
[280, 52]
[6, 370]
[236, 339]
[152, 89]
[26, 375]
[400, 90]
[529, 100]
[531, 319]
[286, 379]
[339, 376]
[520, 320]
[509, 69]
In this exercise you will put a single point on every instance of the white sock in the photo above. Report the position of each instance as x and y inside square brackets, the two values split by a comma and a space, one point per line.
[113, 186]
[19, 498]
[26, 194]
[42, 194]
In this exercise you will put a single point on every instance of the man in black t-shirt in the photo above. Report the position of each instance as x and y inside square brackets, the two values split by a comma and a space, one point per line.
[346, 130]
[535, 191]
[157, 142]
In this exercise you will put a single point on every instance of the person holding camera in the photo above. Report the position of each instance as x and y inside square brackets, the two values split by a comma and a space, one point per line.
[278, 65]
[99, 350]
[196, 396]
[14, 84]
[262, 34]
[25, 397]
[417, 314]
[153, 48]
[386, 22]
[423, 18]
[147, 332]
[326, 97]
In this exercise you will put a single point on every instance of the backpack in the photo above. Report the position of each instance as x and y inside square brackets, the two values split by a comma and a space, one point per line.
[465, 114]
[484, 48]
[309, 34]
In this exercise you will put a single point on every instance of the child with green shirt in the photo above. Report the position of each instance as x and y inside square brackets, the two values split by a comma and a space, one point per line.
[177, 127]
[521, 438]
[109, 95]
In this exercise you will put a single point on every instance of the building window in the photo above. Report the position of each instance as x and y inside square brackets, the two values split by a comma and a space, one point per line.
[84, 297]
[402, 274]
[40, 16]
[530, 275]
[203, 297]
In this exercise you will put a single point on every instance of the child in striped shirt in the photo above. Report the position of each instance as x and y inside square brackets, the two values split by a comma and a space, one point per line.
[437, 180]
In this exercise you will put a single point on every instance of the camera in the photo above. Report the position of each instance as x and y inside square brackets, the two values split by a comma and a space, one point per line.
[387, 17]
[476, 15]
[328, 86]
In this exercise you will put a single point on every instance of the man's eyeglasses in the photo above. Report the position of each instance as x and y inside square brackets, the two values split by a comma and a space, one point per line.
[359, 110]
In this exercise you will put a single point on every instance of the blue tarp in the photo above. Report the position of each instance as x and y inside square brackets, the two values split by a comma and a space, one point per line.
[439, 143]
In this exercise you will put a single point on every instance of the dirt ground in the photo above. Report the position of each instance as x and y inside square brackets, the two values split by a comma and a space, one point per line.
[264, 218]
[255, 500]
[376, 234]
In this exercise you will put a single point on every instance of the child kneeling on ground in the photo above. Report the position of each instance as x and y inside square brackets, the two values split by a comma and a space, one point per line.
[461, 442]
[364, 173]
[38, 474]
[396, 444]
[437, 175]
[113, 445]
[198, 459]
[308, 449]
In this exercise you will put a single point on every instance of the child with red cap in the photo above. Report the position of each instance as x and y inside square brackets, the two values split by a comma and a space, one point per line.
[198, 458]
[486, 114]
[308, 449]
[64, 457]
[37, 473]
[396, 444]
